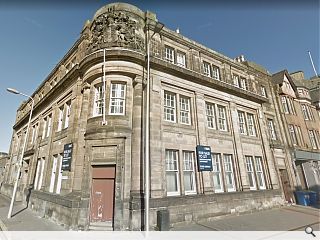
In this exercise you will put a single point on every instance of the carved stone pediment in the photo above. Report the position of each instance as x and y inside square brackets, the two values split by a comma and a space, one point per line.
[115, 29]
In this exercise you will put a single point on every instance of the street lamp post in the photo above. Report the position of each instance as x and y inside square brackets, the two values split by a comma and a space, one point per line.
[158, 27]
[14, 91]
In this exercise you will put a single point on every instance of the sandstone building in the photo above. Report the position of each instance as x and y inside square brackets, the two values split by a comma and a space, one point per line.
[84, 161]
[298, 100]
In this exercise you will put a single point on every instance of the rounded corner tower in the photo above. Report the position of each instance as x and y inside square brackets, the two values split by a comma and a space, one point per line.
[118, 25]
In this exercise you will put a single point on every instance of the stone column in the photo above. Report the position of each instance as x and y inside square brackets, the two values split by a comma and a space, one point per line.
[81, 175]
[157, 164]
[137, 156]
[200, 108]
[267, 151]
[238, 148]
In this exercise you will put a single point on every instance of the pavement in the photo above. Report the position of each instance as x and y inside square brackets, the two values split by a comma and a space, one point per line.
[286, 218]
[23, 219]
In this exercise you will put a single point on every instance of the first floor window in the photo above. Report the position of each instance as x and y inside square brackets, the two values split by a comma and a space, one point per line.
[49, 125]
[184, 110]
[285, 104]
[34, 132]
[242, 123]
[312, 139]
[117, 98]
[217, 172]
[188, 173]
[272, 131]
[98, 106]
[211, 122]
[250, 171]
[228, 170]
[292, 134]
[222, 120]
[60, 119]
[172, 172]
[251, 126]
[68, 111]
[169, 106]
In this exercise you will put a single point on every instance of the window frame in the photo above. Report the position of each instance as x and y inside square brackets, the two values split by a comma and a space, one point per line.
[206, 68]
[117, 98]
[184, 59]
[242, 123]
[251, 126]
[174, 154]
[251, 170]
[224, 118]
[271, 128]
[217, 171]
[99, 97]
[225, 168]
[183, 111]
[169, 56]
[215, 72]
[211, 117]
[192, 171]
[170, 107]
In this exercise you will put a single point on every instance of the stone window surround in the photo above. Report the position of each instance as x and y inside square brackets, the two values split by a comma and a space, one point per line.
[180, 171]
[251, 167]
[114, 78]
[217, 102]
[246, 112]
[178, 92]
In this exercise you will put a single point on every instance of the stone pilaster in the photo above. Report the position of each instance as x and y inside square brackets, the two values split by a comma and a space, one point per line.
[267, 151]
[137, 150]
[207, 184]
[238, 148]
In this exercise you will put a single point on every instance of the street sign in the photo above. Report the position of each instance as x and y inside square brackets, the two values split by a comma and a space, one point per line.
[204, 158]
[67, 157]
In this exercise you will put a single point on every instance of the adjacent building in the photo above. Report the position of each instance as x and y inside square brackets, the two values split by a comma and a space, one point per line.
[85, 155]
[300, 118]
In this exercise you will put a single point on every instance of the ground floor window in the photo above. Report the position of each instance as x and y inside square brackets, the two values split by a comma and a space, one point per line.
[180, 174]
[39, 174]
[223, 172]
[56, 174]
[188, 173]
[172, 172]
[255, 172]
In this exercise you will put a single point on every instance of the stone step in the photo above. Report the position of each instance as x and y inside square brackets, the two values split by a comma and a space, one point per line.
[100, 226]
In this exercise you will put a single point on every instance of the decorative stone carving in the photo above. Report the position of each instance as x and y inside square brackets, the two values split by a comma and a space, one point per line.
[115, 29]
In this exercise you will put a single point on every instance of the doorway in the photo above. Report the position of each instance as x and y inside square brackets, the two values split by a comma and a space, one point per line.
[286, 185]
[102, 194]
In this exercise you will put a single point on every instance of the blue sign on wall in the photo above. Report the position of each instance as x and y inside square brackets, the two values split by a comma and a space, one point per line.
[67, 156]
[204, 158]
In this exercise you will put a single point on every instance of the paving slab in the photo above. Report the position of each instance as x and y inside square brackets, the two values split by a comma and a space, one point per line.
[288, 218]
[24, 219]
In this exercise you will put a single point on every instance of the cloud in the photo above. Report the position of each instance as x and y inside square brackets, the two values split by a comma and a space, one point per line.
[33, 22]
[206, 25]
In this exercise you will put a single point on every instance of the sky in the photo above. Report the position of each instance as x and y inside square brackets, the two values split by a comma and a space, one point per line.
[35, 35]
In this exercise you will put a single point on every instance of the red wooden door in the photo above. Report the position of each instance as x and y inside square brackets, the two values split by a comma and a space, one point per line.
[102, 194]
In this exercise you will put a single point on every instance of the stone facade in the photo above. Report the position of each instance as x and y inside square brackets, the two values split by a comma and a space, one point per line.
[298, 103]
[197, 96]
